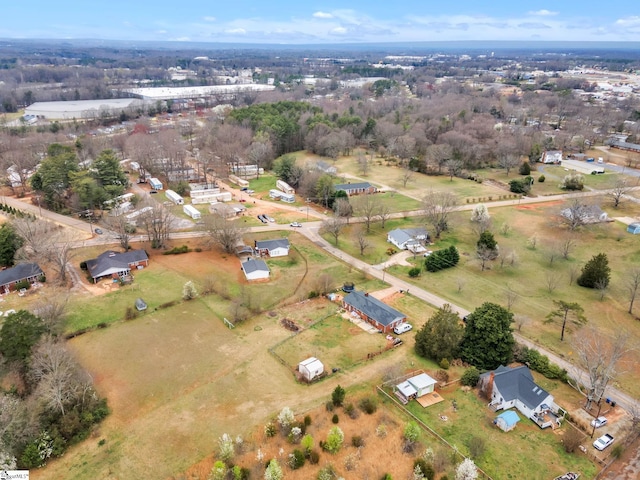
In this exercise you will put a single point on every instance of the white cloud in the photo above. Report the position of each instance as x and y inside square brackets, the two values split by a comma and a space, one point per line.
[543, 13]
[322, 15]
[633, 21]
[236, 31]
[338, 31]
[209, 19]
[181, 39]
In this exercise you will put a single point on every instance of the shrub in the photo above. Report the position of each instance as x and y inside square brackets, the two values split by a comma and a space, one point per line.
[307, 443]
[177, 250]
[314, 457]
[337, 397]
[442, 376]
[572, 182]
[541, 179]
[444, 364]
[425, 468]
[617, 451]
[307, 420]
[411, 432]
[296, 459]
[23, 284]
[368, 405]
[130, 313]
[350, 410]
[329, 406]
[441, 259]
[572, 438]
[83, 265]
[525, 168]
[596, 272]
[335, 439]
[335, 418]
[477, 447]
[414, 272]
[270, 430]
[519, 186]
[357, 441]
[470, 377]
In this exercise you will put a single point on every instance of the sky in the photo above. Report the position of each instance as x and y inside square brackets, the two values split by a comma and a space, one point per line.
[321, 22]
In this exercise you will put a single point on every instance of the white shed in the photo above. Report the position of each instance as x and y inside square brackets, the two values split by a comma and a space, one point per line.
[192, 211]
[310, 368]
[174, 197]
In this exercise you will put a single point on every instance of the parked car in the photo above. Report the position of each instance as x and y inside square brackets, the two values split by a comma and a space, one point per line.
[262, 218]
[599, 422]
[244, 189]
[153, 191]
[603, 442]
[98, 231]
[402, 328]
[295, 224]
[270, 219]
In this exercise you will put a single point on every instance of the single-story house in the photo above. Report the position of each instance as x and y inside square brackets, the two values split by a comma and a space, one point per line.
[356, 188]
[415, 387]
[514, 387]
[274, 248]
[408, 238]
[310, 368]
[110, 264]
[634, 228]
[326, 168]
[255, 269]
[373, 311]
[507, 421]
[30, 272]
[586, 213]
[551, 156]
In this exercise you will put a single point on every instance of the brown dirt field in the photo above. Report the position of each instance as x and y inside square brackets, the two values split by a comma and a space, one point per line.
[370, 461]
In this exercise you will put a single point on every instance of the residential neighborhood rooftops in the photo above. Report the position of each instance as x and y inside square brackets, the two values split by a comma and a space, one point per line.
[272, 244]
[254, 265]
[20, 272]
[114, 261]
[373, 308]
[517, 383]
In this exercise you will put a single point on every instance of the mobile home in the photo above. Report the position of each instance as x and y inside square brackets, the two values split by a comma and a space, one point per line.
[192, 211]
[275, 194]
[285, 187]
[174, 197]
[155, 183]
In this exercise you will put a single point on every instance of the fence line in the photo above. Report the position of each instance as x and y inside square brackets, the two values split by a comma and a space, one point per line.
[429, 429]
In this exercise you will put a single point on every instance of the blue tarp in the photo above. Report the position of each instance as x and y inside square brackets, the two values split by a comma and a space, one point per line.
[510, 418]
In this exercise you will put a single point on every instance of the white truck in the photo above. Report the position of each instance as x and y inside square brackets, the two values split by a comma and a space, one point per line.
[603, 442]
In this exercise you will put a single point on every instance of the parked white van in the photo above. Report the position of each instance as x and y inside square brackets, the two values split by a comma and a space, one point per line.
[402, 328]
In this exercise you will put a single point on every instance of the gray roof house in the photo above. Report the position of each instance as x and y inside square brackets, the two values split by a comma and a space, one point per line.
[515, 387]
[356, 188]
[23, 271]
[326, 168]
[372, 310]
[408, 238]
[255, 269]
[112, 263]
[274, 248]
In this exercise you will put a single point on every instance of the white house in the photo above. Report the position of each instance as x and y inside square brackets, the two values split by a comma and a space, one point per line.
[284, 186]
[310, 368]
[274, 248]
[408, 238]
[174, 197]
[551, 156]
[515, 388]
[192, 211]
[255, 269]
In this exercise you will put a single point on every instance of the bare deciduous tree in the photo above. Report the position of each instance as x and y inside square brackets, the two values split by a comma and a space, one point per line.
[343, 208]
[574, 214]
[521, 321]
[362, 240]
[407, 176]
[511, 296]
[566, 245]
[632, 282]
[157, 223]
[52, 308]
[333, 226]
[384, 212]
[437, 207]
[122, 228]
[599, 356]
[363, 164]
[227, 234]
[508, 161]
[620, 188]
[551, 281]
[367, 207]
[324, 284]
[454, 167]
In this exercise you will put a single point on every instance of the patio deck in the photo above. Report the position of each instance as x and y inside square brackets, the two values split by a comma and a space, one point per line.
[430, 399]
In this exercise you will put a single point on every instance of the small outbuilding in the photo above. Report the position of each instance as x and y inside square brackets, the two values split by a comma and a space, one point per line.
[310, 369]
[140, 304]
[507, 421]
[634, 228]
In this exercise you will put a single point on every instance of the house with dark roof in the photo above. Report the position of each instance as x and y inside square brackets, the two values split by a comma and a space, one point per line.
[31, 272]
[273, 248]
[356, 188]
[255, 269]
[515, 388]
[326, 168]
[408, 238]
[116, 265]
[373, 311]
